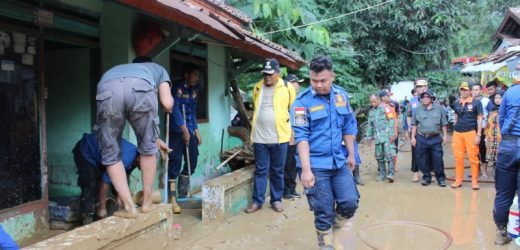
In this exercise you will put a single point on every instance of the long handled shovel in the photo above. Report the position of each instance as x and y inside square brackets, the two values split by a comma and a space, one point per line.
[189, 202]
[165, 161]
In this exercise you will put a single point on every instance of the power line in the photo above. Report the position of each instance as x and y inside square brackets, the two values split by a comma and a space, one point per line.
[328, 19]
[432, 51]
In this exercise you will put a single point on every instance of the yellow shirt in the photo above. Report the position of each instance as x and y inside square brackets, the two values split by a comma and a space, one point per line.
[283, 99]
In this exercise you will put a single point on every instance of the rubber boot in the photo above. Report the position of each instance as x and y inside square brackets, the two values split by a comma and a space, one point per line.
[176, 209]
[357, 176]
[339, 223]
[390, 175]
[325, 239]
[502, 235]
[88, 218]
[184, 186]
[382, 170]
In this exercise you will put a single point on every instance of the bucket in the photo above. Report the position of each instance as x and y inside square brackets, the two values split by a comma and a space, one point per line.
[513, 227]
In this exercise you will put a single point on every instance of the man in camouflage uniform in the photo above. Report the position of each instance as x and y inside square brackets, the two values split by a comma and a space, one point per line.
[382, 129]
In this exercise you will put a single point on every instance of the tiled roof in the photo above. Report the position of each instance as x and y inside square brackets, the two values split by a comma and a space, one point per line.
[217, 27]
[231, 10]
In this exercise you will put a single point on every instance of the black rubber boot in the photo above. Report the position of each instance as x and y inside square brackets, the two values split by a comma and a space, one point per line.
[184, 186]
[502, 236]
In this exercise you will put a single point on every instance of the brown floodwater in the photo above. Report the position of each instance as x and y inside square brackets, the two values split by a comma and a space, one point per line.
[401, 215]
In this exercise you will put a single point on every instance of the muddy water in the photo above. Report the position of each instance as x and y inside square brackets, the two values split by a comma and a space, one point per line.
[402, 215]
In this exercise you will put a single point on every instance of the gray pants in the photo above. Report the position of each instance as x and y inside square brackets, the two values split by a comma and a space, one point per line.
[122, 99]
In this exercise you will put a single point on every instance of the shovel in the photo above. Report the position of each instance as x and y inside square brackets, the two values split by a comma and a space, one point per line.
[189, 202]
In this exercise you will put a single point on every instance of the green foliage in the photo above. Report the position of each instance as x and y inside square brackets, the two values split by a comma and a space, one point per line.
[401, 40]
[383, 36]
[482, 23]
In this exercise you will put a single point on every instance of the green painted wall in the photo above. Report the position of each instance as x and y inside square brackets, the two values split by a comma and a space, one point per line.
[219, 118]
[68, 114]
[20, 227]
[116, 26]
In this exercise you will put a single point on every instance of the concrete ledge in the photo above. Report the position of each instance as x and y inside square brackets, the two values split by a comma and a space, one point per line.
[147, 231]
[227, 195]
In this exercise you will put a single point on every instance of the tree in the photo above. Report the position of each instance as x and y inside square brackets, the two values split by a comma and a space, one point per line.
[392, 38]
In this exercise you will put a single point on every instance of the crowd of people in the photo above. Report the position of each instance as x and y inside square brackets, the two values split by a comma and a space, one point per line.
[310, 135]
[485, 129]
[320, 142]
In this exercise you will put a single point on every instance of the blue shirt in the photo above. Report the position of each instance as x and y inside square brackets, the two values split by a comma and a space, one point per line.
[491, 104]
[508, 108]
[6, 242]
[153, 73]
[184, 96]
[414, 104]
[356, 151]
[90, 151]
[322, 121]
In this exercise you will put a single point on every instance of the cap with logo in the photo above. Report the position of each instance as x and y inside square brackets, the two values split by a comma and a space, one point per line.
[464, 86]
[271, 66]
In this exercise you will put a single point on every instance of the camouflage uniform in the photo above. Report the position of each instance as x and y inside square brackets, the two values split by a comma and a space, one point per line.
[381, 128]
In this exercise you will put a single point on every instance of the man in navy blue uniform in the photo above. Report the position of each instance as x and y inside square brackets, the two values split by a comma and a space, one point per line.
[507, 176]
[184, 130]
[322, 118]
[93, 178]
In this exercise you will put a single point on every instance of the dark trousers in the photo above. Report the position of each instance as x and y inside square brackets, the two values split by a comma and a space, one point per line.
[290, 170]
[429, 155]
[415, 168]
[482, 148]
[334, 192]
[179, 151]
[88, 181]
[507, 179]
[269, 161]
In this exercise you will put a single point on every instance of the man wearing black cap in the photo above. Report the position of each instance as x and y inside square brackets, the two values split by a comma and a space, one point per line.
[289, 191]
[428, 122]
[270, 134]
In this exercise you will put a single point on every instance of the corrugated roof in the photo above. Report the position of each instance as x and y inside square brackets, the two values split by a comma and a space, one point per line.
[218, 28]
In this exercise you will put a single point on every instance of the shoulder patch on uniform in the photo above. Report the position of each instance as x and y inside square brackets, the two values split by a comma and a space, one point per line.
[340, 100]
[300, 119]
[316, 108]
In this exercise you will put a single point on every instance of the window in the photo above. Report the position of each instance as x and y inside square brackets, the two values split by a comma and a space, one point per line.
[20, 169]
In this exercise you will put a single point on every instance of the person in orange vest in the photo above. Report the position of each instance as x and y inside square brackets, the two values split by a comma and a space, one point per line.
[467, 135]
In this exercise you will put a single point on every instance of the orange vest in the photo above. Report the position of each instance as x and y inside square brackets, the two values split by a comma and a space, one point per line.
[390, 111]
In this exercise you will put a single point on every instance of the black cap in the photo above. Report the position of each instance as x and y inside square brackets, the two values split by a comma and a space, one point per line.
[383, 93]
[271, 65]
[292, 78]
[429, 93]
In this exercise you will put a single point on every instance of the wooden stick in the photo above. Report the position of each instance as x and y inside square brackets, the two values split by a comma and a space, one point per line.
[228, 159]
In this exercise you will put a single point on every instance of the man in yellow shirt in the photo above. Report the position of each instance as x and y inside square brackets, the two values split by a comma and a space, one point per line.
[270, 134]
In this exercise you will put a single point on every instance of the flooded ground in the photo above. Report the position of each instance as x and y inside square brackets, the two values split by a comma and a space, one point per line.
[402, 215]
